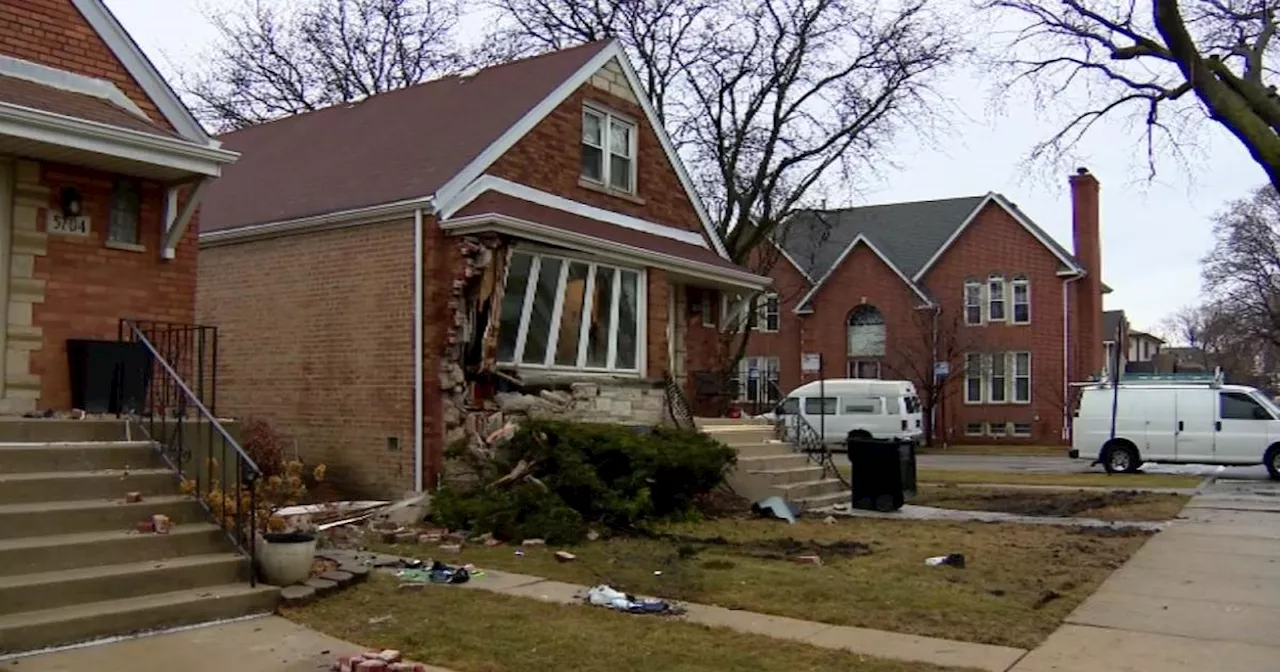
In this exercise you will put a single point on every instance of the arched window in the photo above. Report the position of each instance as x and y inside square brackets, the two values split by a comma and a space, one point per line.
[866, 332]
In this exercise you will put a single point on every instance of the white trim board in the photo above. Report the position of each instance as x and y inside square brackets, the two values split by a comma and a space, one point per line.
[73, 82]
[137, 64]
[1018, 217]
[605, 249]
[527, 193]
[92, 136]
[331, 220]
[508, 139]
[840, 261]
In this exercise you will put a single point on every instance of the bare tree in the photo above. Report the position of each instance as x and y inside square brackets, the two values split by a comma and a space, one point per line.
[275, 59]
[937, 335]
[1242, 272]
[1142, 58]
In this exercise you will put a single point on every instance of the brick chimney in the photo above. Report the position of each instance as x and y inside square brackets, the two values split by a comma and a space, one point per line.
[1087, 330]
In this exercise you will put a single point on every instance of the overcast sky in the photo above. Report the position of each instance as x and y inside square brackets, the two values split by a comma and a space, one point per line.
[1153, 232]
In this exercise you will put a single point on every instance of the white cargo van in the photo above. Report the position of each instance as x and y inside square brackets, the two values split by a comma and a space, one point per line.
[1201, 422]
[882, 409]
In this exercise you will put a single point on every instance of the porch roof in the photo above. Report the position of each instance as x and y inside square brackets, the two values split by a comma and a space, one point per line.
[47, 122]
[502, 212]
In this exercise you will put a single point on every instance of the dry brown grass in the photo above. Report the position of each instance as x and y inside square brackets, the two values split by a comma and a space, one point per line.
[1020, 582]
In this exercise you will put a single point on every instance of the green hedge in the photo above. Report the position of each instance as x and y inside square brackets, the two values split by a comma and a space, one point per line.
[613, 476]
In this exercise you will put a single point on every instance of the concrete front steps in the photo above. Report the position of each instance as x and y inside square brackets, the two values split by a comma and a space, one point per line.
[768, 467]
[72, 566]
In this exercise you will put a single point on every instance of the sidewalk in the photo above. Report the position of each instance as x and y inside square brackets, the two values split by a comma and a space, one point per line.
[1204, 594]
[895, 645]
[266, 644]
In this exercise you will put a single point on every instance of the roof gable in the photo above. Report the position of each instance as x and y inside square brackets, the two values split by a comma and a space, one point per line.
[396, 146]
[1018, 216]
[802, 306]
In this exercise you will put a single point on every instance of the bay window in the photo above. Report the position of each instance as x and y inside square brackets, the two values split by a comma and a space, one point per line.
[566, 313]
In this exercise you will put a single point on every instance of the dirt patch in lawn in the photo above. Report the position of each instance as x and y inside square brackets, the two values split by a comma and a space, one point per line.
[872, 572]
[1104, 505]
[478, 631]
[1100, 480]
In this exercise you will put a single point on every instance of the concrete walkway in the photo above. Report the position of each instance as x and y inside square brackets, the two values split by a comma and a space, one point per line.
[266, 644]
[1204, 594]
[863, 641]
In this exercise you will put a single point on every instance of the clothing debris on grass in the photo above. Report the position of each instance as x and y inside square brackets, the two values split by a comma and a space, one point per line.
[606, 596]
[776, 507]
[439, 573]
[953, 560]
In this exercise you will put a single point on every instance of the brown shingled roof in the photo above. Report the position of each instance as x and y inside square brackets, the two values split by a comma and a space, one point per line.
[390, 147]
[26, 93]
[502, 204]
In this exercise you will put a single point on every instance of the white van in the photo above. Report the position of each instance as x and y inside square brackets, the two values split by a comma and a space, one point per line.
[1177, 422]
[881, 409]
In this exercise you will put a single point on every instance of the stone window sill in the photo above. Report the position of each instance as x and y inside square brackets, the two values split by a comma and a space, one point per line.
[127, 247]
[597, 187]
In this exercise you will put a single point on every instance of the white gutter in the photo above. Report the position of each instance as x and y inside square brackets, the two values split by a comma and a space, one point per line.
[330, 220]
[417, 350]
[1066, 347]
[91, 136]
[606, 249]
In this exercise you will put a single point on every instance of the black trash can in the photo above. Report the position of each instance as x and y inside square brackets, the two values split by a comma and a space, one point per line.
[108, 376]
[883, 472]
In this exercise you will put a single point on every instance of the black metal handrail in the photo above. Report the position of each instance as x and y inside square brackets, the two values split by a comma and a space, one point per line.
[796, 430]
[678, 404]
[165, 409]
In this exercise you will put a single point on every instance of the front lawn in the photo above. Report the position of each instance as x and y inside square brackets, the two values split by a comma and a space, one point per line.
[1103, 505]
[479, 631]
[1019, 583]
[1101, 480]
[1010, 449]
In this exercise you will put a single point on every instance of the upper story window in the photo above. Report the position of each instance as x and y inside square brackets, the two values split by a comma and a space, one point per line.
[769, 314]
[126, 212]
[995, 298]
[972, 302]
[866, 335]
[608, 150]
[1021, 289]
[568, 313]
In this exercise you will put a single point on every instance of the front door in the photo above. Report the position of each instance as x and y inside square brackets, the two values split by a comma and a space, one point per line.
[1197, 413]
[1242, 428]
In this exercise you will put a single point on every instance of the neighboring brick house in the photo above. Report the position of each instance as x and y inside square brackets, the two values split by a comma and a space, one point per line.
[383, 272]
[970, 283]
[1115, 325]
[101, 172]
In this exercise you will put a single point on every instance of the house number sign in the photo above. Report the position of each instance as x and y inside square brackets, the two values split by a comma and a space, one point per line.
[77, 225]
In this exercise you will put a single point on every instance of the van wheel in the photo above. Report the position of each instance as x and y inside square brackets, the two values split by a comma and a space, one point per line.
[1120, 456]
[1272, 460]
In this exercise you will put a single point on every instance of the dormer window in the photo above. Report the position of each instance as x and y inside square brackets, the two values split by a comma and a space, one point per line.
[608, 150]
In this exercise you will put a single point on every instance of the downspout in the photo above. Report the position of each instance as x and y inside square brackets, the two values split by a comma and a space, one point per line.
[1066, 347]
[417, 350]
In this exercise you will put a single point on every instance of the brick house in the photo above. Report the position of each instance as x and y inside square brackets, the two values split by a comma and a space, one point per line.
[970, 283]
[418, 268]
[101, 172]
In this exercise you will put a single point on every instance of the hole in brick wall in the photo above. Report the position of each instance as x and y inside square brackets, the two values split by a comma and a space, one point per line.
[393, 443]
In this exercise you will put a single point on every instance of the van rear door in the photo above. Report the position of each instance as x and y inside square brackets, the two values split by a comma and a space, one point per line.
[1197, 414]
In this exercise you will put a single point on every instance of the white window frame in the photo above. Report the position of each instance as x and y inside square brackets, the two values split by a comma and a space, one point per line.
[981, 431]
[1021, 435]
[990, 378]
[769, 308]
[973, 300]
[996, 295]
[970, 374]
[1013, 379]
[733, 313]
[607, 120]
[553, 337]
[852, 368]
[708, 309]
[1025, 285]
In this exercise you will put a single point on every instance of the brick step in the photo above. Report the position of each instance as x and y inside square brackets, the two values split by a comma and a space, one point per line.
[27, 457]
[88, 549]
[60, 486]
[49, 590]
[791, 475]
[787, 460]
[51, 429]
[30, 630]
[53, 518]
[808, 489]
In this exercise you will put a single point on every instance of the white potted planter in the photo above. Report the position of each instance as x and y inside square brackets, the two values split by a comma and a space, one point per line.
[284, 558]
